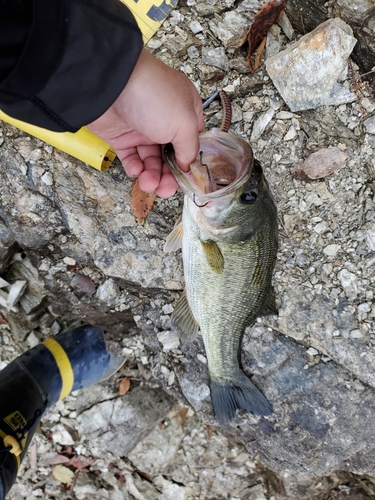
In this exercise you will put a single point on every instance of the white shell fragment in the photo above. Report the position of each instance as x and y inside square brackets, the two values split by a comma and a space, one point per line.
[306, 73]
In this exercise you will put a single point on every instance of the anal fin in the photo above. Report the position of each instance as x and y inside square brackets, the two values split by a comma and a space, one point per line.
[183, 320]
[269, 306]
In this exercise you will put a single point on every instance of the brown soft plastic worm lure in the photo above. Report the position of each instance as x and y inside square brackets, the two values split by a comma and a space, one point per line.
[227, 108]
[227, 111]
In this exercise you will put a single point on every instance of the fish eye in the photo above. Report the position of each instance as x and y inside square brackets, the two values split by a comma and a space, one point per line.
[249, 197]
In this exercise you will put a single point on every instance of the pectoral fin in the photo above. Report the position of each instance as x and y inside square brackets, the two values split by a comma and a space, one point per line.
[184, 321]
[213, 256]
[174, 239]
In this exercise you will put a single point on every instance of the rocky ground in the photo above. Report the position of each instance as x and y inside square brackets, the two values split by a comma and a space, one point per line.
[315, 360]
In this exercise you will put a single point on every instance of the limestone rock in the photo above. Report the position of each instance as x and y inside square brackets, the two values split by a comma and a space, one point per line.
[306, 15]
[117, 244]
[231, 29]
[108, 291]
[8, 246]
[313, 407]
[370, 125]
[215, 57]
[38, 219]
[117, 425]
[260, 124]
[306, 73]
[33, 295]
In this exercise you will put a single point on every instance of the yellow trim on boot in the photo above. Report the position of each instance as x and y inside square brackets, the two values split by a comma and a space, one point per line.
[62, 361]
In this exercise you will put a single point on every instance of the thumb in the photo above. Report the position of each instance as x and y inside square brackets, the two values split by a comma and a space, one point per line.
[186, 143]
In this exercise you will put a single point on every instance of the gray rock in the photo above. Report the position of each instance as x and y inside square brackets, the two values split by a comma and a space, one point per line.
[306, 73]
[180, 450]
[370, 125]
[33, 296]
[370, 238]
[117, 245]
[260, 124]
[231, 29]
[195, 27]
[348, 281]
[313, 407]
[108, 292]
[215, 57]
[169, 340]
[16, 290]
[306, 15]
[37, 219]
[117, 425]
[8, 246]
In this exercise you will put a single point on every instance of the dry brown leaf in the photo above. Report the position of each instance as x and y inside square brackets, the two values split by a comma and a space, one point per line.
[124, 386]
[118, 473]
[63, 474]
[83, 283]
[320, 164]
[81, 463]
[72, 268]
[143, 475]
[56, 459]
[263, 21]
[68, 451]
[141, 202]
[33, 456]
[259, 54]
[208, 431]
[300, 174]
[2, 321]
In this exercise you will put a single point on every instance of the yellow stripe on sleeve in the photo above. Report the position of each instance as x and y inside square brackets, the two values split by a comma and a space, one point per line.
[64, 365]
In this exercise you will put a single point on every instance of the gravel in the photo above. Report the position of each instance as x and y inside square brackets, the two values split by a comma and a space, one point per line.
[326, 257]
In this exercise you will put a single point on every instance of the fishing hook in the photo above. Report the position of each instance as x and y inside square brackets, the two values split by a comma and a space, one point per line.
[207, 170]
[199, 206]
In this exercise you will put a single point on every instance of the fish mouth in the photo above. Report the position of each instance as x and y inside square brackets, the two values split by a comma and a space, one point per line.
[223, 164]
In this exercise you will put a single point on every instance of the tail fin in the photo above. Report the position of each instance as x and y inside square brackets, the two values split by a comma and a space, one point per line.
[241, 393]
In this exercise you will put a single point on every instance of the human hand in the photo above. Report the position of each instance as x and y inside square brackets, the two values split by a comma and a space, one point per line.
[157, 106]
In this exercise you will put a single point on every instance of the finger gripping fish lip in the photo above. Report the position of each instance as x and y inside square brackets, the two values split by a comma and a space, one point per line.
[224, 162]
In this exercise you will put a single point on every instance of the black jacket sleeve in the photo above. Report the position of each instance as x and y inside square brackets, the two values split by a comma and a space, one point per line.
[64, 62]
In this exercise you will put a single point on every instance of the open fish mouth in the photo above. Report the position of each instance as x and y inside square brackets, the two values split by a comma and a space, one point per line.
[223, 164]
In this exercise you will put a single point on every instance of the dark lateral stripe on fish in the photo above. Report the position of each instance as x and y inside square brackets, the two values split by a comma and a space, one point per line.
[242, 394]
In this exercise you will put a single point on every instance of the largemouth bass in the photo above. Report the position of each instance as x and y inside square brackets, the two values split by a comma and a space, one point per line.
[228, 236]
